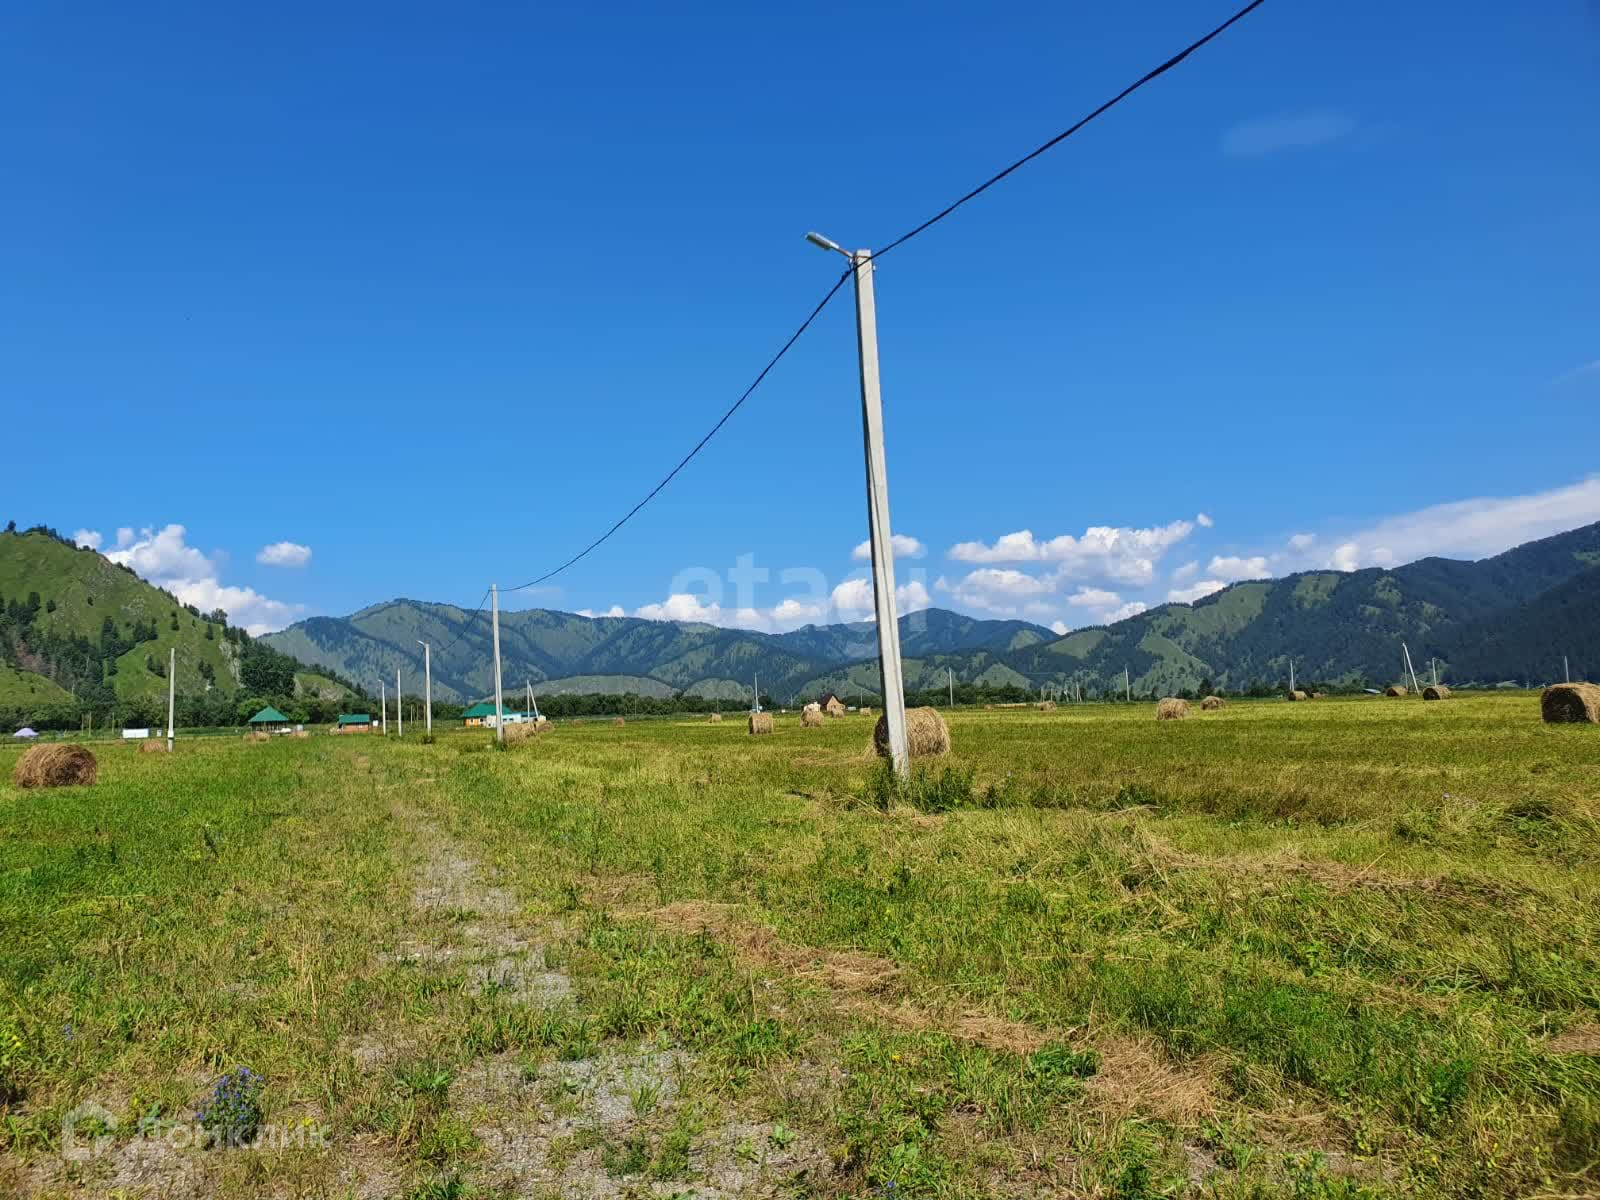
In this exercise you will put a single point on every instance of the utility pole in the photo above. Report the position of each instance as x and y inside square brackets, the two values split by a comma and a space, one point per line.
[889, 669]
[755, 694]
[399, 712]
[951, 672]
[1434, 662]
[1127, 686]
[427, 683]
[172, 694]
[499, 701]
[1566, 675]
[383, 698]
[1291, 674]
[1409, 669]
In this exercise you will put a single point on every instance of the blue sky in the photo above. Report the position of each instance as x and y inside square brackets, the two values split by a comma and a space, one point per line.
[432, 295]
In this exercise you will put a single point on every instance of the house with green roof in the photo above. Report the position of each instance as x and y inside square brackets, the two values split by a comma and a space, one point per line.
[269, 720]
[476, 714]
[353, 723]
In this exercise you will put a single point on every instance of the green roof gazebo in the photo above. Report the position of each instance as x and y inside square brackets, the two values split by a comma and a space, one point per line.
[269, 720]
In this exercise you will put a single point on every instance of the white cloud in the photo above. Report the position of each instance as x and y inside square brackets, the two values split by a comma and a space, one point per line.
[614, 611]
[87, 537]
[1302, 541]
[1131, 609]
[166, 559]
[793, 612]
[1287, 131]
[1186, 572]
[1204, 521]
[1233, 568]
[1094, 598]
[1195, 591]
[1104, 552]
[284, 554]
[1588, 368]
[1059, 628]
[1476, 528]
[682, 606]
[904, 547]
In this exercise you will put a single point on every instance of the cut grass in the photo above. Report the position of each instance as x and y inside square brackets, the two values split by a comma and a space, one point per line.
[1315, 950]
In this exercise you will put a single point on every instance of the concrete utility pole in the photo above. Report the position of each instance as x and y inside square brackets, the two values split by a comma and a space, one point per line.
[1566, 675]
[1291, 674]
[427, 684]
[172, 694]
[951, 672]
[499, 701]
[1404, 649]
[755, 694]
[399, 712]
[889, 669]
[383, 699]
[1127, 686]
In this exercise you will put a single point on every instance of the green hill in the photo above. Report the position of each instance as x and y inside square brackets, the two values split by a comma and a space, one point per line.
[80, 632]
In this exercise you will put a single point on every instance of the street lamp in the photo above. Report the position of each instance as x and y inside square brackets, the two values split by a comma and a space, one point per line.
[894, 697]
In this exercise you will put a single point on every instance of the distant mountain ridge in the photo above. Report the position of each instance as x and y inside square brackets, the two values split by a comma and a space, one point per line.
[1511, 616]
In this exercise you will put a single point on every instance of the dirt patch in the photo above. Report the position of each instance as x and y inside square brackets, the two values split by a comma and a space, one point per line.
[1580, 1039]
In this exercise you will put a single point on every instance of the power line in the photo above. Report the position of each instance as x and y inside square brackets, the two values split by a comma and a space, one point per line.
[1153, 74]
[460, 633]
[1147, 77]
[700, 445]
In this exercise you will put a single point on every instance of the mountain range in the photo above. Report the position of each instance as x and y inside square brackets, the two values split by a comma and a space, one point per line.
[1508, 617]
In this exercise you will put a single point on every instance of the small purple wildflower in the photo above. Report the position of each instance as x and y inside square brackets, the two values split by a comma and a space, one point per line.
[233, 1110]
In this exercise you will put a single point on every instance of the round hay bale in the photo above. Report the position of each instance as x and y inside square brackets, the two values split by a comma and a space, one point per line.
[1394, 689]
[1172, 709]
[519, 733]
[1437, 691]
[1212, 703]
[926, 734]
[811, 717]
[618, 721]
[1316, 695]
[714, 718]
[55, 766]
[1561, 702]
[152, 746]
[1297, 694]
[760, 722]
[300, 734]
[865, 711]
[1047, 706]
[257, 736]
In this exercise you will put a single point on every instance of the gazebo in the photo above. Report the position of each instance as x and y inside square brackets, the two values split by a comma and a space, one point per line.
[269, 720]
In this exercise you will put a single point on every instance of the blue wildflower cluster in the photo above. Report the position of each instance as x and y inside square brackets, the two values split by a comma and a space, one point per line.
[233, 1110]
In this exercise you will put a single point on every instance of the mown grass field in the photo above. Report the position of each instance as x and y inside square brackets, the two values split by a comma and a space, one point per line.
[1332, 949]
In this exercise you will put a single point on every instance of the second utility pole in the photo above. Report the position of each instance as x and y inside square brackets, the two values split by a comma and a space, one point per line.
[499, 704]
[427, 682]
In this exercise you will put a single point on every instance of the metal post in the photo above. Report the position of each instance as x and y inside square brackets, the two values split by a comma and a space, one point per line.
[1404, 649]
[427, 684]
[399, 712]
[499, 703]
[894, 696]
[172, 694]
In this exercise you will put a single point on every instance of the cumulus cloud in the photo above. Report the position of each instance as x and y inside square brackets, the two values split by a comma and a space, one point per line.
[1195, 591]
[614, 611]
[1476, 528]
[904, 547]
[1059, 628]
[1112, 553]
[87, 537]
[1131, 609]
[284, 554]
[166, 559]
[1086, 597]
[1302, 541]
[1232, 568]
[1287, 131]
[850, 601]
[1204, 521]
[1186, 572]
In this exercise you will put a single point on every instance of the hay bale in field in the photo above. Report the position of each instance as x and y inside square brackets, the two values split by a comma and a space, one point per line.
[55, 766]
[1437, 691]
[1297, 694]
[618, 721]
[519, 733]
[714, 718]
[152, 746]
[1316, 695]
[255, 735]
[926, 734]
[1394, 689]
[1211, 703]
[1172, 709]
[300, 734]
[1561, 702]
[1047, 706]
[865, 711]
[760, 722]
[811, 717]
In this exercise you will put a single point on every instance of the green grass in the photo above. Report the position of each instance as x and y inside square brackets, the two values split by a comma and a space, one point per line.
[1332, 949]
[19, 688]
